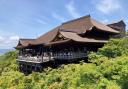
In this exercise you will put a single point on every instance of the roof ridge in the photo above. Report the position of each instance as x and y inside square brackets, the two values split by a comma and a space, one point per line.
[26, 39]
[117, 22]
[76, 19]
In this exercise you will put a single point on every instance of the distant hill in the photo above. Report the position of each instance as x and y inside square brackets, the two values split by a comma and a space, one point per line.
[2, 51]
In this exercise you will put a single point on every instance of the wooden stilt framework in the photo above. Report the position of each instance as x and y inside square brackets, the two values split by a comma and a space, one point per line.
[33, 60]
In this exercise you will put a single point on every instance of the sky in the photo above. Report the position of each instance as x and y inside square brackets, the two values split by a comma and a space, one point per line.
[32, 18]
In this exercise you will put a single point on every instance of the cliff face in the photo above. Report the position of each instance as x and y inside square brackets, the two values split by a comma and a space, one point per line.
[119, 26]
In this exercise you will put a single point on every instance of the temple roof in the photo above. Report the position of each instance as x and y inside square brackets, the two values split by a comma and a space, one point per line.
[71, 31]
[83, 24]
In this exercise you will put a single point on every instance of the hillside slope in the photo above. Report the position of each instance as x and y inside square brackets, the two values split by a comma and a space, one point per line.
[108, 69]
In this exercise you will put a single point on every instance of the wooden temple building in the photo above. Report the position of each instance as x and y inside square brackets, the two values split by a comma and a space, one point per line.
[66, 43]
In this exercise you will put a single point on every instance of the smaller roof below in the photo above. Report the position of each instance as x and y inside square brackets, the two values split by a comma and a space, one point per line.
[75, 37]
[58, 42]
[25, 42]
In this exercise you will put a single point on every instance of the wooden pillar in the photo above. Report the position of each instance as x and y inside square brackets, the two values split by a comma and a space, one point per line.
[35, 67]
[26, 68]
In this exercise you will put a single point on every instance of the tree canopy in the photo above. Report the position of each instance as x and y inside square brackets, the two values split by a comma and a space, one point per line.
[108, 69]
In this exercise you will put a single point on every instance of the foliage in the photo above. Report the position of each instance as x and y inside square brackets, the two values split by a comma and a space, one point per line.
[100, 73]
[114, 48]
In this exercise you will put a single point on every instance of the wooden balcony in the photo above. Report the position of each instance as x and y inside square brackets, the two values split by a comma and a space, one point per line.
[30, 59]
[70, 55]
[60, 56]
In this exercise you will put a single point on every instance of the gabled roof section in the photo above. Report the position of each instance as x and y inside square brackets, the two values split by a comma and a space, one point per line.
[102, 26]
[79, 25]
[48, 37]
[83, 24]
[25, 42]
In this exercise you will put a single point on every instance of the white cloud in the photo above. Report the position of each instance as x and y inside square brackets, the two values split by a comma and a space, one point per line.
[126, 21]
[8, 40]
[105, 21]
[58, 17]
[107, 6]
[1, 38]
[41, 21]
[72, 10]
[14, 38]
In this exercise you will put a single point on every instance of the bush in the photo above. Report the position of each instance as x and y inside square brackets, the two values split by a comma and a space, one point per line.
[114, 48]
[96, 58]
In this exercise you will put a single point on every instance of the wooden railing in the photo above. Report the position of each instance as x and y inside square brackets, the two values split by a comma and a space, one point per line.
[71, 55]
[52, 56]
[30, 59]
